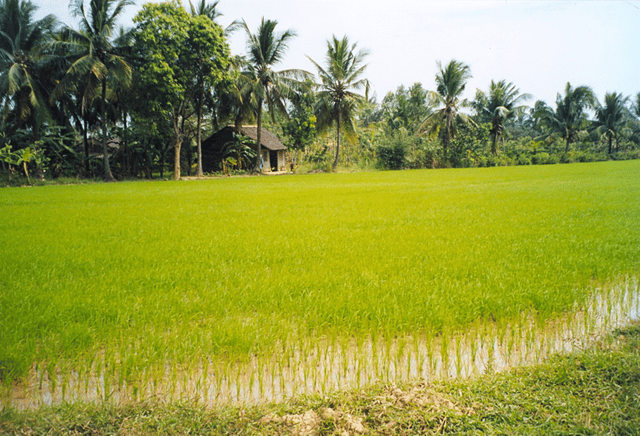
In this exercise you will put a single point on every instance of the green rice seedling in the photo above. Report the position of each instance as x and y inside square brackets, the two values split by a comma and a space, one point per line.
[445, 352]
[473, 347]
[114, 270]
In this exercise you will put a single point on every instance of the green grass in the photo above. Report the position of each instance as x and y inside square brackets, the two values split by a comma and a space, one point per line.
[140, 274]
[595, 391]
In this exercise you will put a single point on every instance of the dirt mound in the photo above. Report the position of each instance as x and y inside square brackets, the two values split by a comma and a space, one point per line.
[311, 422]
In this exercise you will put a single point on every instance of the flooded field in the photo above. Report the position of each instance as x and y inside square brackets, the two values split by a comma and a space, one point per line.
[205, 291]
[321, 365]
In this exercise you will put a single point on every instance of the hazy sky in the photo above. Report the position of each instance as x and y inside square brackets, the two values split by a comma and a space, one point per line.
[537, 45]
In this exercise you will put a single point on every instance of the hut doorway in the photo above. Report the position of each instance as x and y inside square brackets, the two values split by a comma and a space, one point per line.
[273, 160]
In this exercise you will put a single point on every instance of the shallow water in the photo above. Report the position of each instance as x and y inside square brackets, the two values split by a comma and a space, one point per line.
[324, 365]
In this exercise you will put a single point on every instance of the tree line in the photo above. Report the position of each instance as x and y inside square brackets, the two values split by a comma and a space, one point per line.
[104, 101]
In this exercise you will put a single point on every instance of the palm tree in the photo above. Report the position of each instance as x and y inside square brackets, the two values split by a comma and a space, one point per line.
[336, 99]
[259, 84]
[25, 67]
[208, 10]
[98, 60]
[611, 117]
[636, 106]
[570, 114]
[498, 107]
[203, 9]
[450, 83]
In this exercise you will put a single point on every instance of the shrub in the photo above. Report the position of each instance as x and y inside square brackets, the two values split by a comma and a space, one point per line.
[392, 156]
[540, 158]
[523, 160]
[627, 155]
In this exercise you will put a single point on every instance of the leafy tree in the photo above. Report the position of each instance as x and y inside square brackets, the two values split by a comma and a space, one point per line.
[337, 101]
[636, 106]
[497, 107]
[25, 65]
[178, 49]
[570, 114]
[611, 118]
[450, 84]
[392, 153]
[209, 10]
[406, 107]
[259, 84]
[300, 128]
[98, 60]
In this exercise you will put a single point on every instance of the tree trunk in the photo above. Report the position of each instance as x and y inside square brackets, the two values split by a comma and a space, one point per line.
[85, 143]
[610, 143]
[107, 169]
[177, 146]
[199, 133]
[259, 137]
[335, 161]
[447, 134]
[125, 145]
[494, 145]
[566, 147]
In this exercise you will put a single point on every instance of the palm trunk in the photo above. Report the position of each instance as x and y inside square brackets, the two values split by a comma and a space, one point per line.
[445, 143]
[610, 143]
[259, 136]
[107, 169]
[335, 161]
[494, 145]
[125, 145]
[199, 172]
[566, 148]
[85, 143]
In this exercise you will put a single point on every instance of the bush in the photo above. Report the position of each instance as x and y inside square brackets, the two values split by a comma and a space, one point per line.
[392, 156]
[627, 155]
[553, 159]
[523, 160]
[541, 159]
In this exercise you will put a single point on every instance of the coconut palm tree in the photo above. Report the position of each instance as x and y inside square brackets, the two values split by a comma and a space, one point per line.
[499, 106]
[570, 115]
[259, 84]
[25, 66]
[451, 81]
[337, 101]
[98, 60]
[611, 118]
[209, 10]
[636, 106]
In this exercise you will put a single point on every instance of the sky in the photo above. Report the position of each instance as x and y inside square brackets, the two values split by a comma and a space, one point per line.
[539, 46]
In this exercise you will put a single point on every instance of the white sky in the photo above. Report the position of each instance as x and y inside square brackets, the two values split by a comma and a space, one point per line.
[537, 45]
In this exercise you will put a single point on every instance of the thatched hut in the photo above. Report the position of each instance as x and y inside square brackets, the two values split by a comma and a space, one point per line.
[273, 150]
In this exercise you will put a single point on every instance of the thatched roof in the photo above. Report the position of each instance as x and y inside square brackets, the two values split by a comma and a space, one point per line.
[268, 139]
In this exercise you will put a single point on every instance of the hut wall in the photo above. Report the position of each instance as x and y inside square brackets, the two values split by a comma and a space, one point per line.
[282, 162]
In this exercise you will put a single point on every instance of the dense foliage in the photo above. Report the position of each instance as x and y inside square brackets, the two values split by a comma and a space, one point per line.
[124, 103]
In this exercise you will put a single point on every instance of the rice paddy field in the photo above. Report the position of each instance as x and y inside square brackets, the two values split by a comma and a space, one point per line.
[260, 288]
